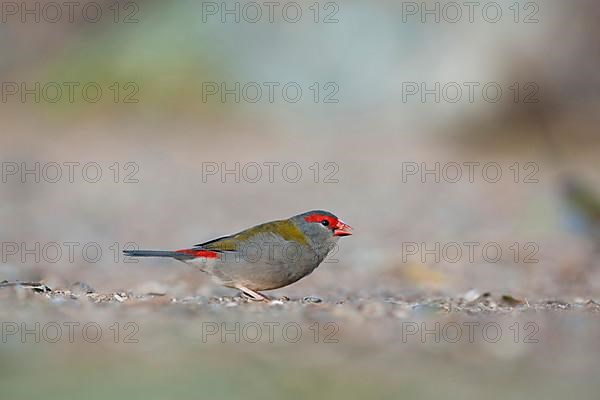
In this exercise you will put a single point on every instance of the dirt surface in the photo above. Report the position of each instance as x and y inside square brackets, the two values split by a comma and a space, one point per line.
[497, 346]
[472, 303]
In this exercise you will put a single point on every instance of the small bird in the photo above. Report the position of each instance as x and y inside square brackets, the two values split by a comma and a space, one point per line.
[265, 257]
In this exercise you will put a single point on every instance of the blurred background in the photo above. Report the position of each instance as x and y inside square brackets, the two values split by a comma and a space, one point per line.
[140, 124]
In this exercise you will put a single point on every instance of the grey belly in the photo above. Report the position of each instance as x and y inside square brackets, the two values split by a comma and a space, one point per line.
[264, 272]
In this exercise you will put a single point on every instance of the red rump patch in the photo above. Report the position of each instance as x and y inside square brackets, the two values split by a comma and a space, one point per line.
[320, 218]
[198, 253]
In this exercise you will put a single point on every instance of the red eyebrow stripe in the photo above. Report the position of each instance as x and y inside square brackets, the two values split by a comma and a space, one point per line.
[199, 253]
[320, 217]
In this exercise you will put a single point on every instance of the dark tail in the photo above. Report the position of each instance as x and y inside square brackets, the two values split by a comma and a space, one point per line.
[157, 253]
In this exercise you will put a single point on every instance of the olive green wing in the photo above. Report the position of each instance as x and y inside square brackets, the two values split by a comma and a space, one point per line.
[284, 229]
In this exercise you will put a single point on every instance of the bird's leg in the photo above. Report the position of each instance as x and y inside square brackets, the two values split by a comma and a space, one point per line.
[252, 295]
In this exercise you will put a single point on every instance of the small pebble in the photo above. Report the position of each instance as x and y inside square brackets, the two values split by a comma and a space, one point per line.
[471, 295]
[118, 298]
[82, 288]
[312, 299]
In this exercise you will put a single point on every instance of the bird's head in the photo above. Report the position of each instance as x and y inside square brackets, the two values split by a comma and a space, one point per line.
[321, 228]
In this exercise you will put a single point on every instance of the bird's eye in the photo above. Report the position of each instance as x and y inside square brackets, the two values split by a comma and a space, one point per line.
[325, 222]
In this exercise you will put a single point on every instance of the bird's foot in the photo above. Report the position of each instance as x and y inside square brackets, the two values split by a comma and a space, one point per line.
[253, 295]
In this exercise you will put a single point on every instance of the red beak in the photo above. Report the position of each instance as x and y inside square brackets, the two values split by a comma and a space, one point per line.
[341, 229]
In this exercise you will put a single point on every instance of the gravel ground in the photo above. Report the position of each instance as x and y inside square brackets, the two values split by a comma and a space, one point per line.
[391, 306]
[155, 345]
